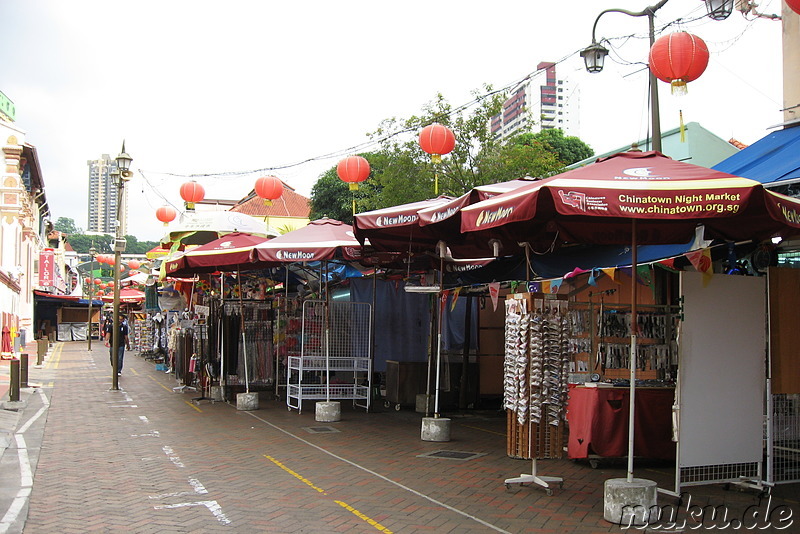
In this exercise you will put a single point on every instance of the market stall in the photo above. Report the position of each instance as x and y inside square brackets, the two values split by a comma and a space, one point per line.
[646, 198]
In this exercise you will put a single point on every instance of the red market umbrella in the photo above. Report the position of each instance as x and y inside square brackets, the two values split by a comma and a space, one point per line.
[636, 198]
[667, 199]
[397, 228]
[323, 239]
[419, 226]
[228, 253]
[127, 295]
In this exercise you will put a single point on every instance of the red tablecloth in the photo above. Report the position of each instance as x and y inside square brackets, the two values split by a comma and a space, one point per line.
[598, 422]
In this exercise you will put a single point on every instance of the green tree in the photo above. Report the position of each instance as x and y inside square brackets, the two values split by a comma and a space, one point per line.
[568, 149]
[67, 226]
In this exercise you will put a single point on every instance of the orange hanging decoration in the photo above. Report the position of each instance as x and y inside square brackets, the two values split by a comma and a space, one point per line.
[353, 170]
[166, 214]
[269, 188]
[437, 140]
[191, 193]
[794, 5]
[678, 58]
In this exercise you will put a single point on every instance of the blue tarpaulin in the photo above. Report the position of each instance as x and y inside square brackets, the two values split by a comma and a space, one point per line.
[773, 158]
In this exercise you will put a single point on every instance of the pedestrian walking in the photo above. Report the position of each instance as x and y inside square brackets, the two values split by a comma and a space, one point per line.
[124, 342]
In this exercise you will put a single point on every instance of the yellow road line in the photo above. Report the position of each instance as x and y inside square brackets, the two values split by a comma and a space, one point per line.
[361, 516]
[52, 363]
[193, 406]
[134, 372]
[296, 475]
[168, 389]
[343, 504]
[160, 384]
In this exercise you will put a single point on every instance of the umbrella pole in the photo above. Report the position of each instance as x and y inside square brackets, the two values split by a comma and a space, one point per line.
[244, 339]
[632, 359]
[327, 337]
[439, 336]
[527, 264]
[222, 380]
[285, 333]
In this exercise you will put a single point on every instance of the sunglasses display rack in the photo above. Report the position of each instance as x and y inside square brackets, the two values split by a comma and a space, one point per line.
[535, 380]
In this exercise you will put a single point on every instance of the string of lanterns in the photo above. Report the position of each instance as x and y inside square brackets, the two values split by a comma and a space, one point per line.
[435, 139]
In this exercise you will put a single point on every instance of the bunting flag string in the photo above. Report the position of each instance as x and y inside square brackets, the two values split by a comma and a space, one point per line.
[593, 277]
[494, 293]
[611, 272]
[555, 285]
[456, 292]
[701, 260]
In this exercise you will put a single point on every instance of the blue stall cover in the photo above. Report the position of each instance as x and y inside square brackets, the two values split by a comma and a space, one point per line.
[402, 320]
[772, 159]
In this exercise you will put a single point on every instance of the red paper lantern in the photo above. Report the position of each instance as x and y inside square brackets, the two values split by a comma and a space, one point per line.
[99, 294]
[97, 281]
[437, 140]
[353, 169]
[192, 192]
[269, 188]
[87, 280]
[678, 58]
[103, 286]
[166, 214]
[134, 264]
[109, 284]
[794, 5]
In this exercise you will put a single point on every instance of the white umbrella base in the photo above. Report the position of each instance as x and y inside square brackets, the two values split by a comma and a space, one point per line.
[329, 412]
[435, 429]
[629, 503]
[247, 401]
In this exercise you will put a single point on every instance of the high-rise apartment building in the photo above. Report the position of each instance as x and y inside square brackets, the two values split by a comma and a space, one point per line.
[534, 106]
[103, 197]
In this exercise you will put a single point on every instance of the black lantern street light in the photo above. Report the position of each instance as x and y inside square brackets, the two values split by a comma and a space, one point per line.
[92, 256]
[594, 54]
[719, 9]
[121, 175]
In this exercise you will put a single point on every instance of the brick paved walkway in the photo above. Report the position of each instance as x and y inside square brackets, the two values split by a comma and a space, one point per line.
[146, 459]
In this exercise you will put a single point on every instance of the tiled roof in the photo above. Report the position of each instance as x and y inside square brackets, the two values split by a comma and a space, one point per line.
[291, 204]
[737, 144]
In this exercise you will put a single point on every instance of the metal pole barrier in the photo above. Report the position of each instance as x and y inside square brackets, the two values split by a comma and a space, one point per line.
[41, 348]
[23, 370]
[13, 390]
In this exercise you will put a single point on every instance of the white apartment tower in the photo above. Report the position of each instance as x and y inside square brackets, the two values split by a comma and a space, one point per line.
[534, 106]
[103, 197]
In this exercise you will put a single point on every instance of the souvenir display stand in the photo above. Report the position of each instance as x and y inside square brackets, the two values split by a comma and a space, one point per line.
[335, 360]
[598, 424]
[535, 372]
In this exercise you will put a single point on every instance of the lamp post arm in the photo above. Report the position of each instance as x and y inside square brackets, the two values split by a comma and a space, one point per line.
[648, 11]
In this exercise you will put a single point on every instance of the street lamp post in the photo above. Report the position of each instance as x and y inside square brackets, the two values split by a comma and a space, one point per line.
[92, 254]
[121, 175]
[594, 54]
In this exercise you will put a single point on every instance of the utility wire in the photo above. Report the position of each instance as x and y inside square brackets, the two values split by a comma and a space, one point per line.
[379, 140]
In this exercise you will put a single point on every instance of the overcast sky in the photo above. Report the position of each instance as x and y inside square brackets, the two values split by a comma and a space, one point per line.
[228, 87]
